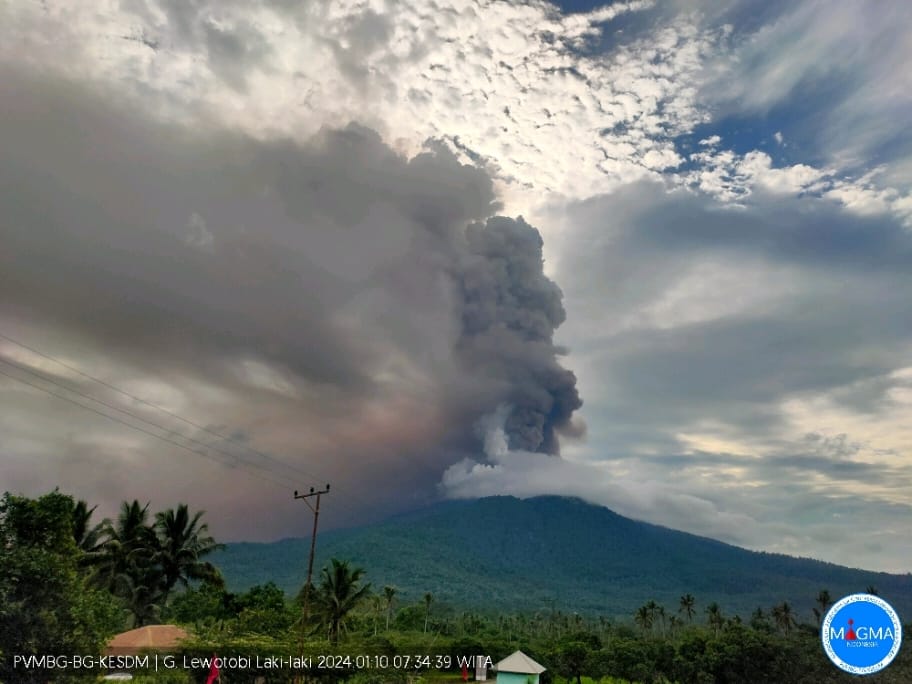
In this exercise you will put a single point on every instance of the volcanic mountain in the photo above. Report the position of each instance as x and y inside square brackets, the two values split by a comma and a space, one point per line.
[555, 553]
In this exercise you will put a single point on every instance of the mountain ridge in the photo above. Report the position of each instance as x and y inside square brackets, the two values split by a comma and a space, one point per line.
[518, 555]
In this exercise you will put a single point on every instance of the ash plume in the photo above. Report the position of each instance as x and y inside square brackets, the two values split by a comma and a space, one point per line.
[348, 308]
[510, 310]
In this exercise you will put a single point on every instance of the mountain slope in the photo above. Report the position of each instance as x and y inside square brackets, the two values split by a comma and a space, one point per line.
[503, 553]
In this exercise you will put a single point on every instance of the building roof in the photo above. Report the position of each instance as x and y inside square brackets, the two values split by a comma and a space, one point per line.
[150, 637]
[519, 663]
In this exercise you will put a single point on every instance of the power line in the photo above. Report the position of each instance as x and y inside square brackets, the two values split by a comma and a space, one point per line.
[153, 424]
[157, 407]
[136, 427]
[226, 438]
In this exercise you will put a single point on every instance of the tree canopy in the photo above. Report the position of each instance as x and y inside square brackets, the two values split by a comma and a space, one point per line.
[46, 603]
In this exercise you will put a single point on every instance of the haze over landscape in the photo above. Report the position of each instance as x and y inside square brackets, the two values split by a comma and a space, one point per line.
[655, 255]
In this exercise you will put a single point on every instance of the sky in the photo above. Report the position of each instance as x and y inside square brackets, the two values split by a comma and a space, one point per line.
[654, 254]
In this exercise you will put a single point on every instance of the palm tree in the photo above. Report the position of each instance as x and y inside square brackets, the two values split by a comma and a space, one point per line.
[687, 606]
[377, 606]
[660, 613]
[182, 544]
[783, 616]
[89, 538]
[656, 612]
[715, 617]
[339, 593]
[389, 593]
[643, 617]
[125, 562]
[129, 546]
[428, 598]
[824, 602]
[758, 619]
[142, 595]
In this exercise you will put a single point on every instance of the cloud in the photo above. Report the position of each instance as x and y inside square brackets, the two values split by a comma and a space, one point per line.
[774, 502]
[805, 295]
[514, 472]
[198, 233]
[519, 87]
[553, 105]
[724, 189]
[711, 340]
[331, 289]
[731, 177]
[821, 52]
[811, 68]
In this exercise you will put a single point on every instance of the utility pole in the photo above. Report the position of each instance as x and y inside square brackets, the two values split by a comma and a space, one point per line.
[308, 585]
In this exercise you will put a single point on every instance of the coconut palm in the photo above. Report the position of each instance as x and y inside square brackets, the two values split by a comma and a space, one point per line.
[687, 606]
[377, 602]
[759, 619]
[643, 618]
[339, 593]
[389, 593]
[142, 595]
[656, 613]
[659, 612]
[129, 547]
[182, 543]
[428, 598]
[125, 562]
[823, 601]
[714, 617]
[784, 617]
[89, 538]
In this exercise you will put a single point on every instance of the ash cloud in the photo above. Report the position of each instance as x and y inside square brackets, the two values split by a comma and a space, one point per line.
[510, 312]
[342, 305]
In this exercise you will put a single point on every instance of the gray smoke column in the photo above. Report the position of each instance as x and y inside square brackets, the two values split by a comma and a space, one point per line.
[510, 311]
[350, 309]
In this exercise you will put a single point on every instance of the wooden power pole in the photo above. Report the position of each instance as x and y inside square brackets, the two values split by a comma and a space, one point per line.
[308, 585]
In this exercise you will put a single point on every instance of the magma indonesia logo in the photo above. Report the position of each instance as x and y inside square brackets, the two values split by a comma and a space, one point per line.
[861, 634]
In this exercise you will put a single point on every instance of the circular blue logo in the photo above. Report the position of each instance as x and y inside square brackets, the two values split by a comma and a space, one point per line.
[861, 634]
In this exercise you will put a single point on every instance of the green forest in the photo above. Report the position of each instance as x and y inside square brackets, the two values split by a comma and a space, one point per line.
[69, 582]
[513, 555]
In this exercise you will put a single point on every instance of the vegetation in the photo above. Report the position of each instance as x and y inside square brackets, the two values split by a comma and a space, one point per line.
[644, 648]
[340, 592]
[46, 602]
[389, 595]
[141, 562]
[469, 554]
[66, 585]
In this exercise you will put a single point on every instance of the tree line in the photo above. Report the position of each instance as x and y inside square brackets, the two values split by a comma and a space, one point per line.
[140, 558]
[67, 584]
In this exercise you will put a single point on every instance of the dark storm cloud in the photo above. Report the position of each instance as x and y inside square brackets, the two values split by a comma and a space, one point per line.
[796, 230]
[808, 346]
[98, 234]
[830, 314]
[796, 458]
[351, 279]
